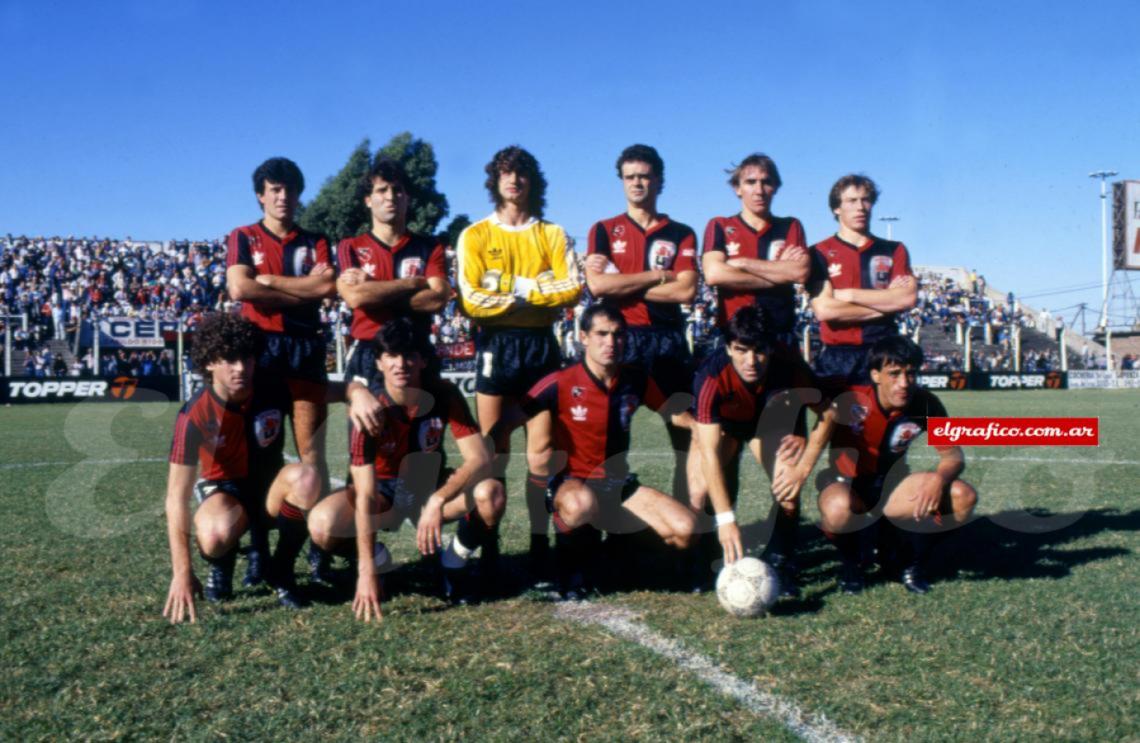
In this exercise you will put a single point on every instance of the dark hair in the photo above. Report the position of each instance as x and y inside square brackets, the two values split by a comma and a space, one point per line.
[386, 169]
[643, 153]
[586, 322]
[755, 160]
[515, 159]
[894, 349]
[749, 327]
[398, 337]
[851, 179]
[223, 337]
[278, 170]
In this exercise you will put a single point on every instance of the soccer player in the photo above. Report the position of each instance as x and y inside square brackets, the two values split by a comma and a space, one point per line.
[231, 430]
[280, 273]
[643, 263]
[588, 409]
[515, 271]
[858, 283]
[750, 394]
[398, 472]
[386, 272]
[754, 258]
[876, 424]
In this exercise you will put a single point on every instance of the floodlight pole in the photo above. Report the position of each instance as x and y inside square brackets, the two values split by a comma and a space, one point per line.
[890, 222]
[1104, 175]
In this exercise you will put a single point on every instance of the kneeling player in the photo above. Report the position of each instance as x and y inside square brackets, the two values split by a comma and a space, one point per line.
[398, 473]
[235, 432]
[588, 408]
[751, 394]
[876, 424]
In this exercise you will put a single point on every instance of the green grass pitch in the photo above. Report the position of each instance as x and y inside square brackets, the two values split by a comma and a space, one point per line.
[1031, 631]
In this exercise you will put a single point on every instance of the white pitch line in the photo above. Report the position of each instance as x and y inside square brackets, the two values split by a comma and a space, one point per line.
[624, 624]
[72, 463]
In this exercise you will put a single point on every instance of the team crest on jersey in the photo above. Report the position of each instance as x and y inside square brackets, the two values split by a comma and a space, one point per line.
[858, 418]
[431, 434]
[732, 248]
[903, 434]
[267, 427]
[578, 413]
[619, 247]
[775, 248]
[730, 230]
[411, 267]
[364, 253]
[619, 230]
[881, 271]
[626, 409]
[663, 253]
[577, 392]
[303, 261]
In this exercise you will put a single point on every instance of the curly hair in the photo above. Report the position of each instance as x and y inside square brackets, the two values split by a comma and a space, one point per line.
[223, 337]
[515, 159]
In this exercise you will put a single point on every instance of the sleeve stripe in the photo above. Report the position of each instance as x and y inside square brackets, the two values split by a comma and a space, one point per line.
[706, 399]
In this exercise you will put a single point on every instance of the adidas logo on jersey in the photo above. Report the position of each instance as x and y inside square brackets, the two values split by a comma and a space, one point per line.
[732, 248]
[834, 269]
[369, 268]
[258, 258]
[619, 246]
[578, 412]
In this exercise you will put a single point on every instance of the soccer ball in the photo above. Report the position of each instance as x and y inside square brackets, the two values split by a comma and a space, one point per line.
[747, 587]
[491, 280]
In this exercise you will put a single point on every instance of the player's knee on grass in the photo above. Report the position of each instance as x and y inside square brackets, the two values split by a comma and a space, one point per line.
[963, 499]
[682, 524]
[490, 500]
[326, 521]
[576, 504]
[216, 536]
[837, 507]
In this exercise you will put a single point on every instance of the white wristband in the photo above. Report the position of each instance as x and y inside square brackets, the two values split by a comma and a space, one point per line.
[728, 517]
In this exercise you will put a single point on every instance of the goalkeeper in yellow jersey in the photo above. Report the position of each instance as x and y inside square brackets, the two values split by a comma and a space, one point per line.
[516, 273]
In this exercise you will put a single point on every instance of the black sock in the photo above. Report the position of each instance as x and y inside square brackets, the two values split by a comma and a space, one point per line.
[225, 562]
[847, 543]
[471, 531]
[536, 505]
[680, 439]
[259, 536]
[785, 532]
[291, 534]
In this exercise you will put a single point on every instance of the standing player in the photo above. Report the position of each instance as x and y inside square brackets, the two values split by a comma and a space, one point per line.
[643, 263]
[858, 284]
[876, 425]
[232, 430]
[515, 272]
[754, 258]
[280, 273]
[386, 272]
[588, 409]
[750, 394]
[398, 472]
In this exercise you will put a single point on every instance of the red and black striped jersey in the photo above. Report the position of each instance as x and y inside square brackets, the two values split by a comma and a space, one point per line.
[721, 396]
[294, 255]
[592, 421]
[231, 440]
[666, 246]
[405, 430]
[737, 239]
[868, 440]
[873, 266]
[412, 255]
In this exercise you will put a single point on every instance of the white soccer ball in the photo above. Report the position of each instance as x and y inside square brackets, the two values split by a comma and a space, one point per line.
[491, 280]
[747, 587]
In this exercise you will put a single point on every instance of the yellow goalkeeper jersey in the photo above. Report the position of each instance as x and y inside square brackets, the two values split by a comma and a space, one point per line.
[516, 277]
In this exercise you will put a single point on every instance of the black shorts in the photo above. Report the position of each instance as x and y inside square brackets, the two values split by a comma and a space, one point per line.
[246, 492]
[606, 489]
[846, 364]
[509, 361]
[406, 500]
[293, 357]
[866, 490]
[664, 354]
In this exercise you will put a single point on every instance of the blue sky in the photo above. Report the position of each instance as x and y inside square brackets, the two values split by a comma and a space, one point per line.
[979, 120]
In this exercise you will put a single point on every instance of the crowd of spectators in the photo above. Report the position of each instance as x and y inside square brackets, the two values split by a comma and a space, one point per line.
[55, 282]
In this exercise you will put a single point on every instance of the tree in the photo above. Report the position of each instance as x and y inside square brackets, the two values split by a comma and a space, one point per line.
[336, 211]
[450, 234]
[428, 206]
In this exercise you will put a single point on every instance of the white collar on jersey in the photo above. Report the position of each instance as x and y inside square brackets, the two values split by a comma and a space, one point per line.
[494, 219]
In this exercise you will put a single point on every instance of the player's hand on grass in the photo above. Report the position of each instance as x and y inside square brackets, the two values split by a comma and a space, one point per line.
[927, 495]
[429, 527]
[180, 599]
[366, 603]
[729, 535]
[365, 411]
